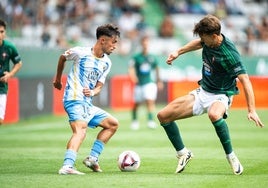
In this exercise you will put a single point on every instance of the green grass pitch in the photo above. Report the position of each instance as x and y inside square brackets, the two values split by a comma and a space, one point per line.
[31, 153]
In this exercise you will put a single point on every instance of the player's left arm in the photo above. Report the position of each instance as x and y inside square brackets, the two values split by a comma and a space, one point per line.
[132, 75]
[250, 98]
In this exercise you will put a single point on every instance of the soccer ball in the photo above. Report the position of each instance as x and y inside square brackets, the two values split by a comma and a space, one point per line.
[128, 161]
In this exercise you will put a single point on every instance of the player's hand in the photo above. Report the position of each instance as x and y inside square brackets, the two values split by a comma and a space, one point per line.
[88, 92]
[57, 85]
[171, 57]
[6, 76]
[253, 116]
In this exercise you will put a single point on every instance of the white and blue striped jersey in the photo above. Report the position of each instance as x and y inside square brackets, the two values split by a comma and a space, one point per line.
[86, 71]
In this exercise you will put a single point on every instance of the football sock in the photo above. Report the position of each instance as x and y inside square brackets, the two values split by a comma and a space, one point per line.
[223, 134]
[134, 115]
[69, 158]
[97, 148]
[173, 134]
[150, 116]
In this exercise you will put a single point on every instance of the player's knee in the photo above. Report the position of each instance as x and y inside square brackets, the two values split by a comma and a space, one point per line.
[161, 117]
[114, 125]
[214, 116]
[80, 134]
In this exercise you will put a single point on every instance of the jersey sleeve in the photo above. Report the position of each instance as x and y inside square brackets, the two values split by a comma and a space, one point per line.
[71, 54]
[236, 65]
[233, 58]
[15, 57]
[239, 69]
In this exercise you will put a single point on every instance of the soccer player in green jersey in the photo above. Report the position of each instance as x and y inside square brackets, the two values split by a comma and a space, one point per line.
[221, 66]
[144, 73]
[7, 52]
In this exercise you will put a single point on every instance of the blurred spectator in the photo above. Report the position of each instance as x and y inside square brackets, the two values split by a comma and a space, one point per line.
[185, 6]
[40, 20]
[17, 11]
[167, 28]
[141, 25]
[171, 6]
[220, 9]
[234, 7]
[195, 7]
[136, 5]
[45, 37]
[128, 24]
[263, 29]
[61, 41]
[252, 33]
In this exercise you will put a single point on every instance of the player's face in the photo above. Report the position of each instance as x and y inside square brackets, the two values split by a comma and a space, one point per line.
[2, 33]
[145, 44]
[209, 40]
[109, 44]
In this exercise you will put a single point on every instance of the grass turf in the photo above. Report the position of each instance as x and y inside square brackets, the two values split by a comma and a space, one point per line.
[31, 153]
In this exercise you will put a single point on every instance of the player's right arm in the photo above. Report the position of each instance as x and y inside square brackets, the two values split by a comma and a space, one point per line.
[132, 72]
[61, 63]
[132, 75]
[190, 46]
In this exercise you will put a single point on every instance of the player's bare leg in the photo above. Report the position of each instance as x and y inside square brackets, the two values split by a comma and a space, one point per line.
[79, 133]
[109, 126]
[178, 109]
[215, 114]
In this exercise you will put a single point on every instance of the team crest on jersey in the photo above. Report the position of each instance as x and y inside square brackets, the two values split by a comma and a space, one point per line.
[104, 67]
[4, 55]
[213, 59]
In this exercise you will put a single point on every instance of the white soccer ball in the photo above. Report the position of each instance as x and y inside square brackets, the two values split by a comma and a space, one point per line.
[128, 161]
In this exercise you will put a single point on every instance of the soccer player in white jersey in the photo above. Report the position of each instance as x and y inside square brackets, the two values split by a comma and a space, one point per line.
[85, 80]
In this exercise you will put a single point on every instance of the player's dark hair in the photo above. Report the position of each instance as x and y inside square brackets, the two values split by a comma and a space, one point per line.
[3, 23]
[209, 25]
[107, 30]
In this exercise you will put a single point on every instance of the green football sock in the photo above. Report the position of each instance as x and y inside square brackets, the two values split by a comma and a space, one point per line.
[134, 114]
[150, 116]
[173, 134]
[223, 134]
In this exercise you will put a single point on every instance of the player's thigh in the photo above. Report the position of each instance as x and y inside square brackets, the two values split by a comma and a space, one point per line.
[103, 119]
[109, 123]
[79, 126]
[179, 108]
[217, 110]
